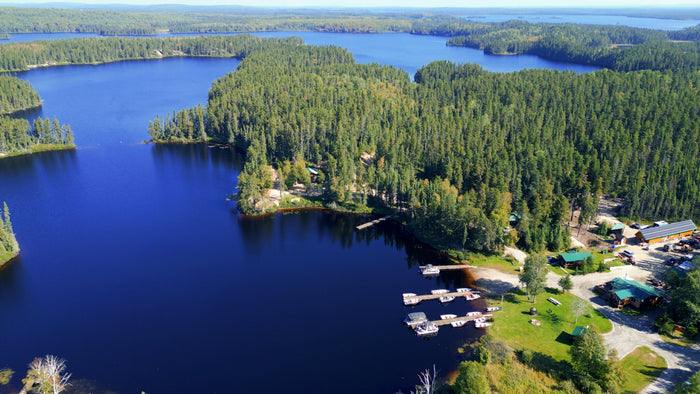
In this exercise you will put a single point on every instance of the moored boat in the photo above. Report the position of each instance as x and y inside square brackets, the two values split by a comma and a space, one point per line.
[427, 328]
[430, 270]
[482, 324]
[494, 308]
[445, 298]
[410, 299]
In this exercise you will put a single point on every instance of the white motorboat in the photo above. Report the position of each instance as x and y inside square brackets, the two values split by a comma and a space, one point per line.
[482, 324]
[427, 328]
[494, 308]
[445, 298]
[447, 316]
[464, 290]
[410, 299]
[458, 323]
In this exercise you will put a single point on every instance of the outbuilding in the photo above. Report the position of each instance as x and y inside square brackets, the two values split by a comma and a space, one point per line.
[666, 232]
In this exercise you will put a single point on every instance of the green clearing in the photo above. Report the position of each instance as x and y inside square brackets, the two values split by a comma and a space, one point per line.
[552, 337]
[675, 338]
[507, 264]
[639, 369]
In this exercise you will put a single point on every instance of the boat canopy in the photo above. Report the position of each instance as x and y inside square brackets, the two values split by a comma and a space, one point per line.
[417, 316]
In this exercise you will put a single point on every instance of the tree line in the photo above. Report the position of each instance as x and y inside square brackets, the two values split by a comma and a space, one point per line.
[462, 148]
[18, 136]
[205, 20]
[23, 56]
[618, 48]
[17, 95]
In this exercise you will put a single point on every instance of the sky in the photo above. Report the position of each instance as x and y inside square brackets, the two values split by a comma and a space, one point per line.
[397, 3]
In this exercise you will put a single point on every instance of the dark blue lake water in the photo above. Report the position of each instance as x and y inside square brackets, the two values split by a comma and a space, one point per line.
[136, 270]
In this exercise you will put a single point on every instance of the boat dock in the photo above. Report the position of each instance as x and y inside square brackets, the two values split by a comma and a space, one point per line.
[449, 267]
[373, 222]
[444, 322]
[436, 296]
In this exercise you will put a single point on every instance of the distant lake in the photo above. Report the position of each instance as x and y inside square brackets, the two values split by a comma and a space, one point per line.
[646, 23]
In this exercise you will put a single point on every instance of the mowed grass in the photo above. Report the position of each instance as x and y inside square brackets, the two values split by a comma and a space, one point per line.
[552, 337]
[640, 368]
[503, 264]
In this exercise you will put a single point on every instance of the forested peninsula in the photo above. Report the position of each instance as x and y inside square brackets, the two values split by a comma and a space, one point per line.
[9, 248]
[461, 148]
[17, 95]
[17, 136]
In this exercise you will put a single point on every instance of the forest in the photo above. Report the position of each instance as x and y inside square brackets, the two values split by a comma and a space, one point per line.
[9, 248]
[461, 148]
[618, 48]
[18, 136]
[23, 56]
[17, 95]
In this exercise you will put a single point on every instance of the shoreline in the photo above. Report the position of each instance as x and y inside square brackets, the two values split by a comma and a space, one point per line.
[39, 149]
[6, 263]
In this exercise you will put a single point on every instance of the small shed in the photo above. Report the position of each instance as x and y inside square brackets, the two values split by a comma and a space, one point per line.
[578, 331]
[617, 229]
[569, 260]
[666, 232]
[514, 218]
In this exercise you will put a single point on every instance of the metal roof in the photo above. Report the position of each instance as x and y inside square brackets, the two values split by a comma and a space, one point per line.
[628, 288]
[667, 230]
[618, 226]
[579, 330]
[573, 257]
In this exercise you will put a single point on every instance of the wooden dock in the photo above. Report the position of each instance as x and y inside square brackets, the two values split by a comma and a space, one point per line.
[444, 322]
[436, 296]
[373, 222]
[450, 267]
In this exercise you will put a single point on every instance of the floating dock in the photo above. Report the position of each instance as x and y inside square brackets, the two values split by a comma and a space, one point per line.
[373, 222]
[436, 296]
[449, 267]
[444, 322]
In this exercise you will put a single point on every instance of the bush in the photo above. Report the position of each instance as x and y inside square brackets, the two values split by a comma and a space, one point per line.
[526, 356]
[482, 355]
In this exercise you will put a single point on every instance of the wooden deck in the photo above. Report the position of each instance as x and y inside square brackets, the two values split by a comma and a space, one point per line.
[436, 296]
[372, 223]
[445, 322]
[450, 267]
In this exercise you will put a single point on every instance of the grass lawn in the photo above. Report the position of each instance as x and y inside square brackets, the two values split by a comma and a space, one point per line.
[503, 264]
[678, 339]
[639, 369]
[552, 337]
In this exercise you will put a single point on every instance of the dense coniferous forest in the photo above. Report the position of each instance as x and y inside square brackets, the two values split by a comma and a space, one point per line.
[618, 48]
[17, 95]
[23, 56]
[461, 148]
[9, 247]
[17, 136]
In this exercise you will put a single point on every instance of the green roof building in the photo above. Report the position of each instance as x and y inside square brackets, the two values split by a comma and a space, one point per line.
[573, 259]
[623, 291]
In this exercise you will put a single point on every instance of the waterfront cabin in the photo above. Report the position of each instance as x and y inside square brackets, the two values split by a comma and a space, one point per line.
[415, 318]
[571, 260]
[666, 232]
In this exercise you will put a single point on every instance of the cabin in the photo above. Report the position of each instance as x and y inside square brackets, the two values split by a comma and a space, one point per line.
[570, 260]
[624, 291]
[665, 232]
[514, 218]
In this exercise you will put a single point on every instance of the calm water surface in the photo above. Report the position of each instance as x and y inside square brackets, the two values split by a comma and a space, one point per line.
[136, 269]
